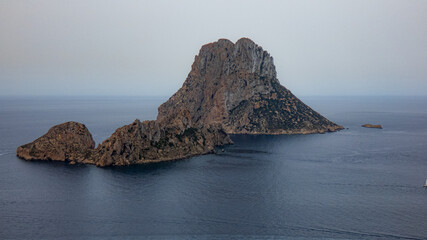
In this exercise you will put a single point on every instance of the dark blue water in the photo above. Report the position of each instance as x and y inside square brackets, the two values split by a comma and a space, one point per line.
[355, 184]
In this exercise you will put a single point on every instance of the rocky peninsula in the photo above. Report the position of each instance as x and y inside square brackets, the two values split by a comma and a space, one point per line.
[232, 88]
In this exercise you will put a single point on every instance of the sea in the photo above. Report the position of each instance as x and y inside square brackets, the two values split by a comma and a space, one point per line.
[358, 183]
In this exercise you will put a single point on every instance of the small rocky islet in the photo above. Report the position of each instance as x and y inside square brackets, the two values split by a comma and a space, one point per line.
[378, 126]
[232, 88]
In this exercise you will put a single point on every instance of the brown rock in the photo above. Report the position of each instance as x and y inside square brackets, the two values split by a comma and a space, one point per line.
[235, 85]
[70, 141]
[143, 142]
[231, 88]
[139, 142]
[372, 126]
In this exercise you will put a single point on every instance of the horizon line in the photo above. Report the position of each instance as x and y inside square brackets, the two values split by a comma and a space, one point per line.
[168, 96]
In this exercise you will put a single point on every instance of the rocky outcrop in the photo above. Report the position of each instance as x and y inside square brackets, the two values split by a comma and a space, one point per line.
[231, 88]
[235, 85]
[372, 126]
[70, 141]
[139, 142]
[144, 142]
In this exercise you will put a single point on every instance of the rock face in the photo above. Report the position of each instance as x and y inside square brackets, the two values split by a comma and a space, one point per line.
[232, 88]
[236, 86]
[70, 141]
[372, 126]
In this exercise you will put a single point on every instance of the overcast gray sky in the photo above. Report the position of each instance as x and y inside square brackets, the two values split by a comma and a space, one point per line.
[330, 47]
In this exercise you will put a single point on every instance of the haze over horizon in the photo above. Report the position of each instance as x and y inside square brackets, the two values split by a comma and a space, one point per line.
[146, 48]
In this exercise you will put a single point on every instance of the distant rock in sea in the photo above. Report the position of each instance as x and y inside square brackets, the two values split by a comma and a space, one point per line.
[231, 89]
[372, 126]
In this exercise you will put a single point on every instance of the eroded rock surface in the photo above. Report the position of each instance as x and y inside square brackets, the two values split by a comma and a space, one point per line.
[70, 141]
[235, 85]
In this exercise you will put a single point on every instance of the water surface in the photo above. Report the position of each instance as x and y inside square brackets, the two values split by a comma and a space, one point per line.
[358, 183]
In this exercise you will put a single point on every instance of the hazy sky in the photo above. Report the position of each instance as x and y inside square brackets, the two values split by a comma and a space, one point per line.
[333, 47]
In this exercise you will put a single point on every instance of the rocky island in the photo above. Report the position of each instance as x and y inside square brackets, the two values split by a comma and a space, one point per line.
[69, 141]
[235, 85]
[232, 88]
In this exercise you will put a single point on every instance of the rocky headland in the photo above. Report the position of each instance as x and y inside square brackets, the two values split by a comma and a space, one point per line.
[232, 88]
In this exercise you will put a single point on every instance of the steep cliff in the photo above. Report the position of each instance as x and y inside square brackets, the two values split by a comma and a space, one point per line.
[235, 85]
